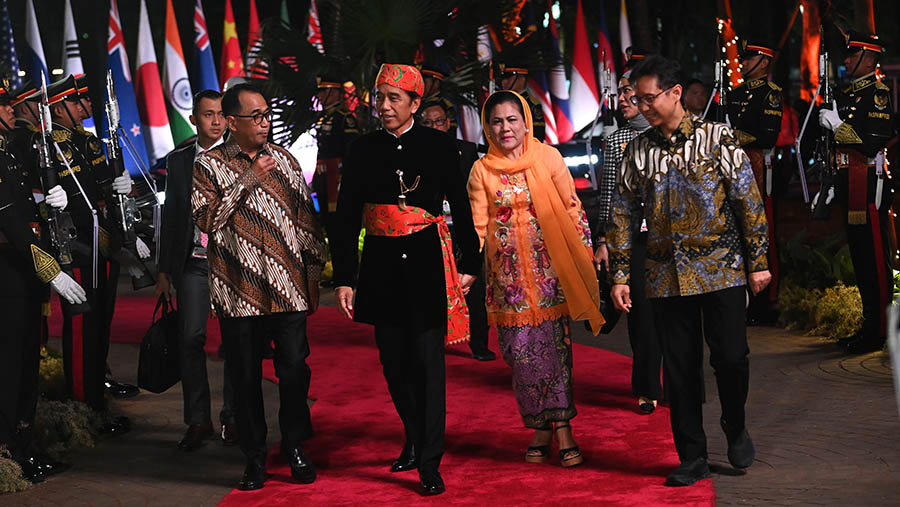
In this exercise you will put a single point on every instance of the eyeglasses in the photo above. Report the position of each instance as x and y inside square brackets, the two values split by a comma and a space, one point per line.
[649, 99]
[257, 117]
[440, 122]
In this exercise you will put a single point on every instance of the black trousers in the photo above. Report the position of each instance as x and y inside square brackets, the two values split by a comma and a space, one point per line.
[478, 321]
[645, 349]
[20, 349]
[414, 369]
[683, 322]
[193, 314]
[86, 335]
[243, 339]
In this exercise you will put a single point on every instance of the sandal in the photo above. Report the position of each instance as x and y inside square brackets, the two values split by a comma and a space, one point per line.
[539, 453]
[571, 456]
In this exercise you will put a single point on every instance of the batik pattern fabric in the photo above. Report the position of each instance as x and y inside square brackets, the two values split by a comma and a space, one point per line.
[705, 217]
[392, 220]
[265, 247]
[541, 360]
[522, 286]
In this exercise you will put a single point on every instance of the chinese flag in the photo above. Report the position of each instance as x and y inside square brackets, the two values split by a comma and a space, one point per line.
[232, 61]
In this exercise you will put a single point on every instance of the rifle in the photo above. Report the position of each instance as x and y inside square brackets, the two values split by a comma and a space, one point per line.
[720, 87]
[61, 227]
[824, 153]
[127, 214]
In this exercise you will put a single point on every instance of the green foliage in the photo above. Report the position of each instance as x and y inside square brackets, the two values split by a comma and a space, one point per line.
[61, 426]
[835, 312]
[10, 474]
[816, 267]
[53, 379]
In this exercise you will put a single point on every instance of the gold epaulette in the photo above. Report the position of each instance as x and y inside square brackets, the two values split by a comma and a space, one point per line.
[774, 86]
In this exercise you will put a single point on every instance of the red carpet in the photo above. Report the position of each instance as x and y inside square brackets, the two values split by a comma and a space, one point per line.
[627, 455]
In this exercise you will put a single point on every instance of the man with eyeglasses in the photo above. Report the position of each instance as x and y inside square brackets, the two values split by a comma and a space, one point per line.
[265, 253]
[706, 242]
[435, 115]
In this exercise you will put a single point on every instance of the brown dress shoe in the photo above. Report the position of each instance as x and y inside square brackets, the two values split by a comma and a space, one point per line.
[229, 434]
[194, 436]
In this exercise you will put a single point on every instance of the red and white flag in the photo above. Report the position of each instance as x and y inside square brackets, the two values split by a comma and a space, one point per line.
[314, 30]
[624, 33]
[151, 104]
[584, 100]
[254, 64]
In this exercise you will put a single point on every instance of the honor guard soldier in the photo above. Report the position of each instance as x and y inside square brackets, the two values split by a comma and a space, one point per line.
[862, 124]
[85, 335]
[516, 79]
[433, 81]
[754, 109]
[335, 129]
[26, 268]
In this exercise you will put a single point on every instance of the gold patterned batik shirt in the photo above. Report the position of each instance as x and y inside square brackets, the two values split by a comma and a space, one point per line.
[705, 218]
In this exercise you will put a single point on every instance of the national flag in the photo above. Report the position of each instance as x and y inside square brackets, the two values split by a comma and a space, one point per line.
[624, 33]
[605, 54]
[117, 62]
[254, 66]
[176, 85]
[583, 89]
[34, 61]
[9, 60]
[232, 63]
[559, 88]
[537, 87]
[203, 71]
[314, 29]
[151, 103]
[72, 64]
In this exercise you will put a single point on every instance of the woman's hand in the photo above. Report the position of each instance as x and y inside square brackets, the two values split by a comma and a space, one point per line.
[601, 257]
[621, 296]
[466, 281]
[345, 301]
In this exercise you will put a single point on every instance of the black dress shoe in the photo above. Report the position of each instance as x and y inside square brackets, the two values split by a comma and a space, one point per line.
[229, 434]
[741, 451]
[864, 345]
[688, 473]
[484, 355]
[432, 483]
[118, 426]
[195, 435]
[302, 469]
[254, 476]
[31, 470]
[406, 461]
[121, 389]
[647, 407]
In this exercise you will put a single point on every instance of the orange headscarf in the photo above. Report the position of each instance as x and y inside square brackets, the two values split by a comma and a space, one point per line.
[569, 257]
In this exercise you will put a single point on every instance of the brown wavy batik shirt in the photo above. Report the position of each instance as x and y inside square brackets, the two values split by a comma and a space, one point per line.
[265, 246]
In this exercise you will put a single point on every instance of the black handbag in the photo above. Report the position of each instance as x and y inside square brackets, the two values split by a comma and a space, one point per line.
[158, 363]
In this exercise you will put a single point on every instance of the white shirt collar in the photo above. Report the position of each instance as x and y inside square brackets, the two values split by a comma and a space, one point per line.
[200, 151]
[405, 131]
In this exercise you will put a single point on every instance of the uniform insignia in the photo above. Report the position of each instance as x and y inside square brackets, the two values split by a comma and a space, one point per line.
[2, 143]
[744, 138]
[881, 86]
[881, 99]
[94, 144]
[61, 136]
[756, 83]
[846, 135]
[66, 151]
[775, 100]
[45, 266]
[774, 86]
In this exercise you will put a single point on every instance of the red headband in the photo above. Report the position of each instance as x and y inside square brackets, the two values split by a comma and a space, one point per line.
[405, 77]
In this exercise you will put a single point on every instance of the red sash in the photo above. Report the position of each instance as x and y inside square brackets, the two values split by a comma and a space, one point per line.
[390, 220]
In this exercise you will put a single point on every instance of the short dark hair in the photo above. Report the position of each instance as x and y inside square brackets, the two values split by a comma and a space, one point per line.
[231, 100]
[667, 72]
[204, 94]
[691, 82]
[435, 103]
[502, 97]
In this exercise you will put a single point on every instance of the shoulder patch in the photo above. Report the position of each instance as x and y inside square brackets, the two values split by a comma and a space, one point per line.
[881, 86]
[774, 86]
[881, 99]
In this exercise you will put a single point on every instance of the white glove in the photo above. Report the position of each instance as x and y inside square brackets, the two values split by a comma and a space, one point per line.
[68, 288]
[829, 118]
[122, 184]
[57, 198]
[828, 198]
[142, 249]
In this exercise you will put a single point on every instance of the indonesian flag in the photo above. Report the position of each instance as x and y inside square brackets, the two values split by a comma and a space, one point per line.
[253, 42]
[314, 30]
[624, 33]
[151, 105]
[584, 99]
[176, 84]
[72, 63]
[232, 63]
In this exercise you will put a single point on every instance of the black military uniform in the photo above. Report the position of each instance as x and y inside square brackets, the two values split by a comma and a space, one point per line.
[862, 189]
[755, 111]
[335, 130]
[430, 74]
[26, 267]
[85, 335]
[539, 125]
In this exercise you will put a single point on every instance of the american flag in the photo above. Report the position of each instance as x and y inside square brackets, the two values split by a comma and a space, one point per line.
[9, 61]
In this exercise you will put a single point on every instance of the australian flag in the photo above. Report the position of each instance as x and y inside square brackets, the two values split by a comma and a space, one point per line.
[9, 61]
[117, 62]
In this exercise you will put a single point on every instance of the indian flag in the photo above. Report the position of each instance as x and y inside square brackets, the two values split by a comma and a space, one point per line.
[179, 96]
